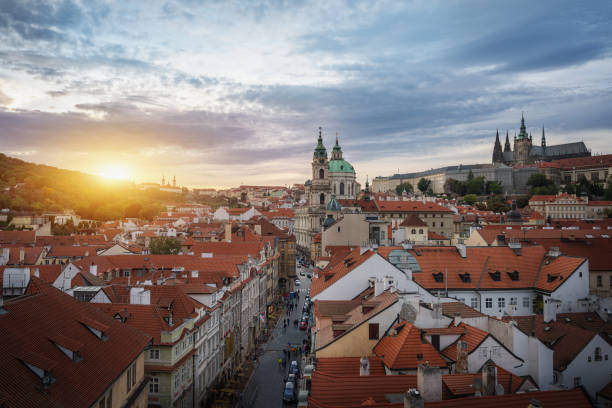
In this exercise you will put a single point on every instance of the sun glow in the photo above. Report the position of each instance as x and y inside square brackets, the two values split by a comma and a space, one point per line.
[116, 172]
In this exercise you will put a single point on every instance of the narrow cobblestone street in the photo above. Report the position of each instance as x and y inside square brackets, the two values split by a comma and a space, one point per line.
[265, 388]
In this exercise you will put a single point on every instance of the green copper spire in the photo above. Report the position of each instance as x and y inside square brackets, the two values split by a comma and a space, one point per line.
[320, 152]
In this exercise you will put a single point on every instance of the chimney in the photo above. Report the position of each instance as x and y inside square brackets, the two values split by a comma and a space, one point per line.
[461, 366]
[93, 269]
[550, 310]
[429, 382]
[37, 273]
[21, 255]
[364, 366]
[228, 232]
[258, 229]
[489, 379]
[378, 287]
[4, 256]
[412, 399]
[461, 249]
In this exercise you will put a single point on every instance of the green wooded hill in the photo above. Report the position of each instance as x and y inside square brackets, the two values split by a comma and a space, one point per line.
[39, 188]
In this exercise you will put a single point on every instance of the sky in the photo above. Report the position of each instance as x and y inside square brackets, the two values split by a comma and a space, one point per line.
[222, 93]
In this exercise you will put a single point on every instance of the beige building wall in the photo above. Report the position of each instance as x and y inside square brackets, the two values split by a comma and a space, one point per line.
[351, 229]
[118, 391]
[356, 343]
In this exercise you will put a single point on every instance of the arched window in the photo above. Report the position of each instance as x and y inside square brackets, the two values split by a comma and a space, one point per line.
[321, 174]
[334, 188]
[341, 188]
[597, 354]
[420, 230]
[413, 231]
[322, 198]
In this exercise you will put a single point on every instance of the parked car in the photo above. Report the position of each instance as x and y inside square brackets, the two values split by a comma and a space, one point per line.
[309, 276]
[294, 369]
[289, 392]
[291, 378]
[303, 325]
[298, 282]
[302, 273]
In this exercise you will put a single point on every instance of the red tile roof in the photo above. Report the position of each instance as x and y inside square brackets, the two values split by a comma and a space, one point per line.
[404, 348]
[472, 336]
[584, 162]
[411, 206]
[327, 277]
[18, 237]
[348, 366]
[575, 398]
[413, 221]
[30, 328]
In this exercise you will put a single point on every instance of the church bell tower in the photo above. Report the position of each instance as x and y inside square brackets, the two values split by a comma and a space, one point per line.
[320, 189]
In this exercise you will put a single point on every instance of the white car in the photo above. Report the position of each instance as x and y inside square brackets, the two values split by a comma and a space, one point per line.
[298, 282]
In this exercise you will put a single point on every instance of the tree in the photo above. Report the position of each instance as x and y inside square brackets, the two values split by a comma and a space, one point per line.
[404, 186]
[497, 204]
[475, 185]
[538, 180]
[132, 210]
[494, 187]
[540, 185]
[522, 201]
[608, 191]
[165, 246]
[424, 185]
[454, 186]
[470, 199]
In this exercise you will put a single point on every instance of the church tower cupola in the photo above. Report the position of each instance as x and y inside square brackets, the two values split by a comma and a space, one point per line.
[320, 152]
[337, 151]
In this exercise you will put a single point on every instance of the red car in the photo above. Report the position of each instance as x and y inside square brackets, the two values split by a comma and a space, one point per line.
[303, 325]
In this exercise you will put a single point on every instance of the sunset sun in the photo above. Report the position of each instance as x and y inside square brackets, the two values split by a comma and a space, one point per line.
[116, 172]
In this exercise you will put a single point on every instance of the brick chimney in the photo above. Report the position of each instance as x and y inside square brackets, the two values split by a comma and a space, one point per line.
[429, 382]
[412, 399]
[489, 378]
[21, 255]
[461, 366]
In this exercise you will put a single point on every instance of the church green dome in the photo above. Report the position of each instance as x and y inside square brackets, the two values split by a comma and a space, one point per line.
[340, 166]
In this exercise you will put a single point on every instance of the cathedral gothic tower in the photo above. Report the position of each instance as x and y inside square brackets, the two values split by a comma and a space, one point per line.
[498, 155]
[522, 144]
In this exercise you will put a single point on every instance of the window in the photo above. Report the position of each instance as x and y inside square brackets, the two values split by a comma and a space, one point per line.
[441, 224]
[134, 374]
[474, 303]
[154, 385]
[128, 377]
[513, 301]
[484, 352]
[599, 283]
[154, 354]
[611, 281]
[433, 224]
[183, 374]
[177, 381]
[102, 403]
[489, 303]
[341, 188]
[414, 231]
[577, 381]
[126, 273]
[421, 231]
[373, 328]
[597, 353]
[501, 303]
[322, 198]
[525, 302]
[109, 399]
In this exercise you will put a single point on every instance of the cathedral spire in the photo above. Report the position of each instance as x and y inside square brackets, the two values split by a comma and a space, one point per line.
[366, 194]
[523, 133]
[507, 145]
[498, 156]
[543, 138]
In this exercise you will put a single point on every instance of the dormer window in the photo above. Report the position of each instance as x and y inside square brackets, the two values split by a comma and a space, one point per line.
[41, 366]
[513, 275]
[496, 276]
[439, 277]
[465, 277]
[95, 327]
[71, 348]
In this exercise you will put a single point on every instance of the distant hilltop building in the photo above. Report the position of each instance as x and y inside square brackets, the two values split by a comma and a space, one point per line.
[525, 152]
[563, 163]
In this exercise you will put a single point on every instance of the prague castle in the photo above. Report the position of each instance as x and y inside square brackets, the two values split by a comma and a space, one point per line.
[526, 153]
